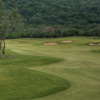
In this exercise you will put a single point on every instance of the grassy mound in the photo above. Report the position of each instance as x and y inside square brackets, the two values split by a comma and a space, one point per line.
[14, 59]
[17, 82]
[27, 61]
[24, 84]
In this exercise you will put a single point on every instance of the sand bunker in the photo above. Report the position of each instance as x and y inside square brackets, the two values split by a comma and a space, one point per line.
[94, 43]
[91, 44]
[16, 42]
[67, 41]
[51, 43]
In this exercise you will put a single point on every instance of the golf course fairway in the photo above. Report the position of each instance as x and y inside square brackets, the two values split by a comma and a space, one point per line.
[58, 70]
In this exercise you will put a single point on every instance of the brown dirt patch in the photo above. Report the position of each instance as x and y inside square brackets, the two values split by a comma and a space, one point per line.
[66, 41]
[51, 43]
[91, 44]
[94, 44]
[16, 42]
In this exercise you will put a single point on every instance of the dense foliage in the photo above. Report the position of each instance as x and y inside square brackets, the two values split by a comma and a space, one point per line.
[80, 15]
[72, 13]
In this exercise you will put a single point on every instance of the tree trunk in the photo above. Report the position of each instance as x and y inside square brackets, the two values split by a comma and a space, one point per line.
[2, 45]
[3, 48]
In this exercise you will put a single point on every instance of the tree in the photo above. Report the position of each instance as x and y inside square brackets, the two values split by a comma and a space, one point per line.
[49, 31]
[3, 28]
[8, 23]
[95, 32]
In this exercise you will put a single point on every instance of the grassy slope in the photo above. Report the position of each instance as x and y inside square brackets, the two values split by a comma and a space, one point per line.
[18, 82]
[80, 66]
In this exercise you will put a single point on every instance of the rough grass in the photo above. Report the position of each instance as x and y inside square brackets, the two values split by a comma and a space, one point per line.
[80, 67]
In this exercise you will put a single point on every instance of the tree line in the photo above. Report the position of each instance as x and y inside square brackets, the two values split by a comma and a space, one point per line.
[52, 32]
[9, 22]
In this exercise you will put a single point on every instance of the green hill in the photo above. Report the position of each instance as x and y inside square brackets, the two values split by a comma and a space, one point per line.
[81, 14]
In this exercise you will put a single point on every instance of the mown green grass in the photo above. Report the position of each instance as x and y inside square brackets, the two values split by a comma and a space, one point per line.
[24, 84]
[26, 60]
[96, 51]
[75, 64]
[17, 82]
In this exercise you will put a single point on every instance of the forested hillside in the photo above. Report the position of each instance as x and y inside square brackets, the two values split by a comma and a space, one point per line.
[77, 14]
[74, 13]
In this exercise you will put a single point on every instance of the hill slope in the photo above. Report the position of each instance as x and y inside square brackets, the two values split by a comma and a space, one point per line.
[82, 14]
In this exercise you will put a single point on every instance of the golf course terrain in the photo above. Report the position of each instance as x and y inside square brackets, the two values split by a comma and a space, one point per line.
[51, 69]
